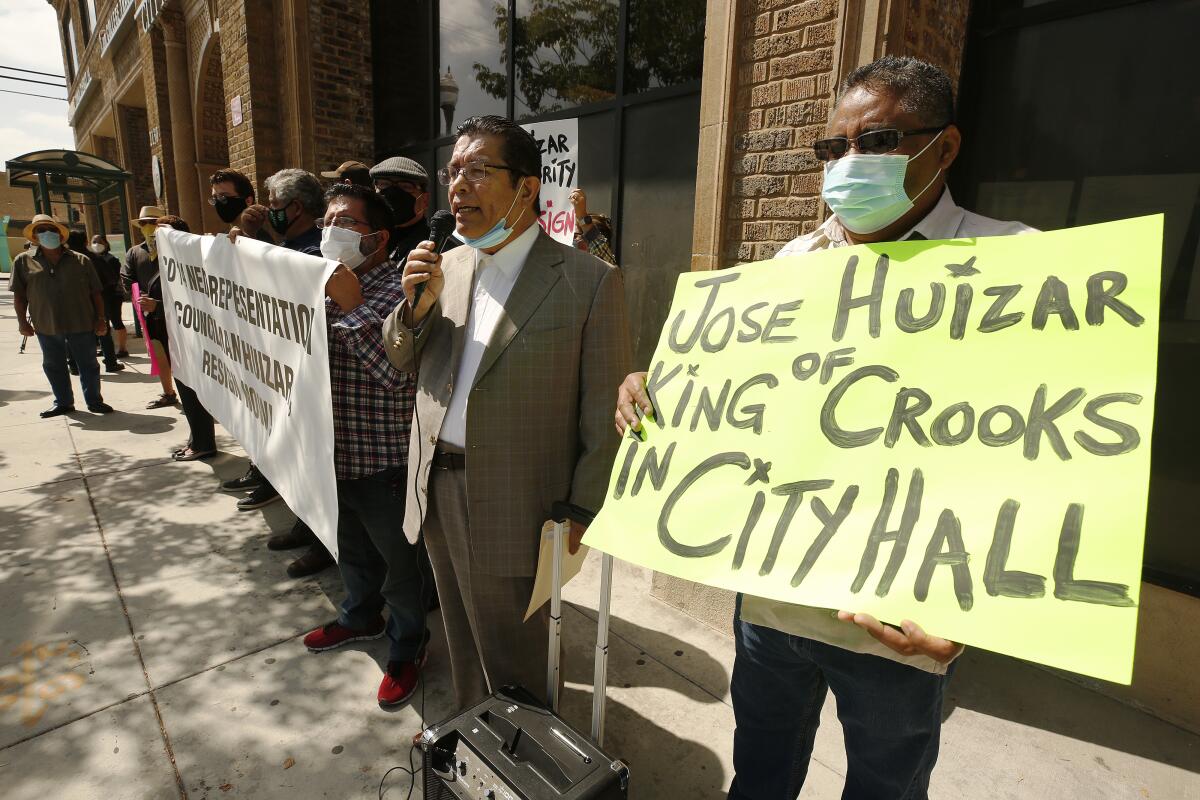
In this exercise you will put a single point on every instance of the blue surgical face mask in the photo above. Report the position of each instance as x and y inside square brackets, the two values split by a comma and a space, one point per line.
[51, 240]
[499, 233]
[866, 191]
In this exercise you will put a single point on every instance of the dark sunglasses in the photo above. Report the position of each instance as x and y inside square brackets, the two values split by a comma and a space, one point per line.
[873, 142]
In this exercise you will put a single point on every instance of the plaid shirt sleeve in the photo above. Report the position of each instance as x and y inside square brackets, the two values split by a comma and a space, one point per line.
[596, 243]
[362, 331]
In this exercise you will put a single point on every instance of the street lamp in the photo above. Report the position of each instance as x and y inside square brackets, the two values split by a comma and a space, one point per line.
[449, 96]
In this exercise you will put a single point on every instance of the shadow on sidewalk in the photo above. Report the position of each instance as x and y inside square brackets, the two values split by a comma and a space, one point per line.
[1007, 688]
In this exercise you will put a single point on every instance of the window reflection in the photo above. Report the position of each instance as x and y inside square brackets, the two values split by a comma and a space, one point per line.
[472, 35]
[565, 53]
[665, 43]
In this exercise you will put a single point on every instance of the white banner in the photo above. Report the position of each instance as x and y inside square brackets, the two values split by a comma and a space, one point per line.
[247, 331]
[559, 142]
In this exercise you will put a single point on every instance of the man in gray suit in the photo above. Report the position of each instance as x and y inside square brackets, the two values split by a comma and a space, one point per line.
[517, 341]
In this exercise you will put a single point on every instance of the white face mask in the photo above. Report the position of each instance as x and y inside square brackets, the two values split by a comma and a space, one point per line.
[96, 248]
[866, 191]
[344, 245]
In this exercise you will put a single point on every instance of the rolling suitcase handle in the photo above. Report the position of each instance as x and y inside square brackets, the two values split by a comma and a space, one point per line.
[562, 514]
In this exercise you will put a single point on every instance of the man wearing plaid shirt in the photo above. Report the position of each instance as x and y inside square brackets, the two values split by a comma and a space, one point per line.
[372, 411]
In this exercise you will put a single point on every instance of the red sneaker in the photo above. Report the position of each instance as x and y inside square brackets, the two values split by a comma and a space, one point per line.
[334, 635]
[399, 682]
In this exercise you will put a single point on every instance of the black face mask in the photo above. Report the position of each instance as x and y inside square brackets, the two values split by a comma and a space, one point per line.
[402, 204]
[229, 209]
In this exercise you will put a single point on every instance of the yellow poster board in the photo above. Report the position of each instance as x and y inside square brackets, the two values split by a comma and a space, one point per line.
[953, 432]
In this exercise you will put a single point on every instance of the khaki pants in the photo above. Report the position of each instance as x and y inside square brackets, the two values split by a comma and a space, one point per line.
[490, 646]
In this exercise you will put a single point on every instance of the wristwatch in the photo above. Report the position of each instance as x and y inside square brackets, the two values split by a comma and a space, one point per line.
[587, 219]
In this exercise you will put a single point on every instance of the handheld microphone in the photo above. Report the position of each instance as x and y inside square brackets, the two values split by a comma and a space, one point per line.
[441, 225]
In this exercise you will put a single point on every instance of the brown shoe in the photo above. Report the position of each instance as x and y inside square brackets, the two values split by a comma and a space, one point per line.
[164, 400]
[316, 559]
[300, 535]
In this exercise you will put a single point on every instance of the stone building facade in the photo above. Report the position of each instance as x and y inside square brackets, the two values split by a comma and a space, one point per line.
[172, 90]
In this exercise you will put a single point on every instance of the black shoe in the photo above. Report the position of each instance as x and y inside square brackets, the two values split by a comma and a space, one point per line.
[299, 536]
[122, 354]
[316, 559]
[101, 408]
[262, 496]
[116, 366]
[55, 411]
[251, 480]
[137, 334]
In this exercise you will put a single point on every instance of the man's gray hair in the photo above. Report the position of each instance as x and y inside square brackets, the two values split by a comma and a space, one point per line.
[922, 88]
[297, 184]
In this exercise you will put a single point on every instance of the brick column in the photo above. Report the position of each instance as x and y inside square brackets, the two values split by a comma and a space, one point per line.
[183, 130]
[250, 70]
[785, 61]
[158, 113]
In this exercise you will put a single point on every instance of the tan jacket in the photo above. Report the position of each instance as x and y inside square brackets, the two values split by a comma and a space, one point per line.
[539, 421]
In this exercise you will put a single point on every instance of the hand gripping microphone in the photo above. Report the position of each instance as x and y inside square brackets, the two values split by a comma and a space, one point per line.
[441, 225]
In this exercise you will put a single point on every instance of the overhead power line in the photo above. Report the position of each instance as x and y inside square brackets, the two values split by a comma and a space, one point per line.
[33, 72]
[31, 80]
[27, 94]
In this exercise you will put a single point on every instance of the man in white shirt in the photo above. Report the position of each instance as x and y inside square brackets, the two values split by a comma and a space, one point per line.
[890, 140]
[517, 341]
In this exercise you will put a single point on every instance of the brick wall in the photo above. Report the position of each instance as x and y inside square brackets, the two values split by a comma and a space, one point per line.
[248, 47]
[342, 92]
[135, 137]
[936, 31]
[210, 110]
[784, 90]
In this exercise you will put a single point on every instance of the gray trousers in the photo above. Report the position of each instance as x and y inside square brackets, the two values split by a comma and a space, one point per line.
[490, 646]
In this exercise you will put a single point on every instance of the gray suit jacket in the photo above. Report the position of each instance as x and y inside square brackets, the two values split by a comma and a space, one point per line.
[539, 420]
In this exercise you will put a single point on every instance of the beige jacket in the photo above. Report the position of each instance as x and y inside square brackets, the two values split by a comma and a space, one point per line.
[539, 420]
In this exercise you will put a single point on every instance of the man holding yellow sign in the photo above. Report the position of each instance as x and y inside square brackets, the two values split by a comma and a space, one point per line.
[907, 427]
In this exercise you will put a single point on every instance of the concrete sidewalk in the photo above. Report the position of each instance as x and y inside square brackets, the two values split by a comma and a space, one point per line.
[150, 648]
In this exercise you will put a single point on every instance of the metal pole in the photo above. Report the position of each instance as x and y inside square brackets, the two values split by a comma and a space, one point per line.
[44, 190]
[600, 677]
[125, 218]
[554, 658]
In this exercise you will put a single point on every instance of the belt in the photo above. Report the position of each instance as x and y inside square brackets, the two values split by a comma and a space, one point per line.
[448, 461]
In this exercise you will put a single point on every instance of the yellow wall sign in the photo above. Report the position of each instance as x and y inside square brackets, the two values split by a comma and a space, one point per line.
[953, 432]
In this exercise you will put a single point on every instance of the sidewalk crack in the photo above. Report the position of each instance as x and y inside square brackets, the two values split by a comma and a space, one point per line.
[150, 690]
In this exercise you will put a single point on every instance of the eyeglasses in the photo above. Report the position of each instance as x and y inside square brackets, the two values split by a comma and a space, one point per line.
[221, 199]
[340, 222]
[474, 173]
[873, 142]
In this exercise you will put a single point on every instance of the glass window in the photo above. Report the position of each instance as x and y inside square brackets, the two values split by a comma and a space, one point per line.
[1043, 145]
[72, 49]
[441, 194]
[565, 52]
[405, 110]
[664, 45]
[87, 18]
[472, 36]
[658, 204]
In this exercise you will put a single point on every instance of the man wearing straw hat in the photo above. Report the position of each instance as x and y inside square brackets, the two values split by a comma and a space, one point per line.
[56, 293]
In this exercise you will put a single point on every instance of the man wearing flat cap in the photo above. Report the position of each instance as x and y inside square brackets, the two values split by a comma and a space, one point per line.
[56, 292]
[404, 186]
[354, 172]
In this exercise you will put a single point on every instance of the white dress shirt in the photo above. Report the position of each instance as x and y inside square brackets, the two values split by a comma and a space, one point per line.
[495, 276]
[946, 220]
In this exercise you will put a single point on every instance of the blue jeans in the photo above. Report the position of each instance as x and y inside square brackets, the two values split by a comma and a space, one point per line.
[82, 348]
[378, 565]
[891, 716]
